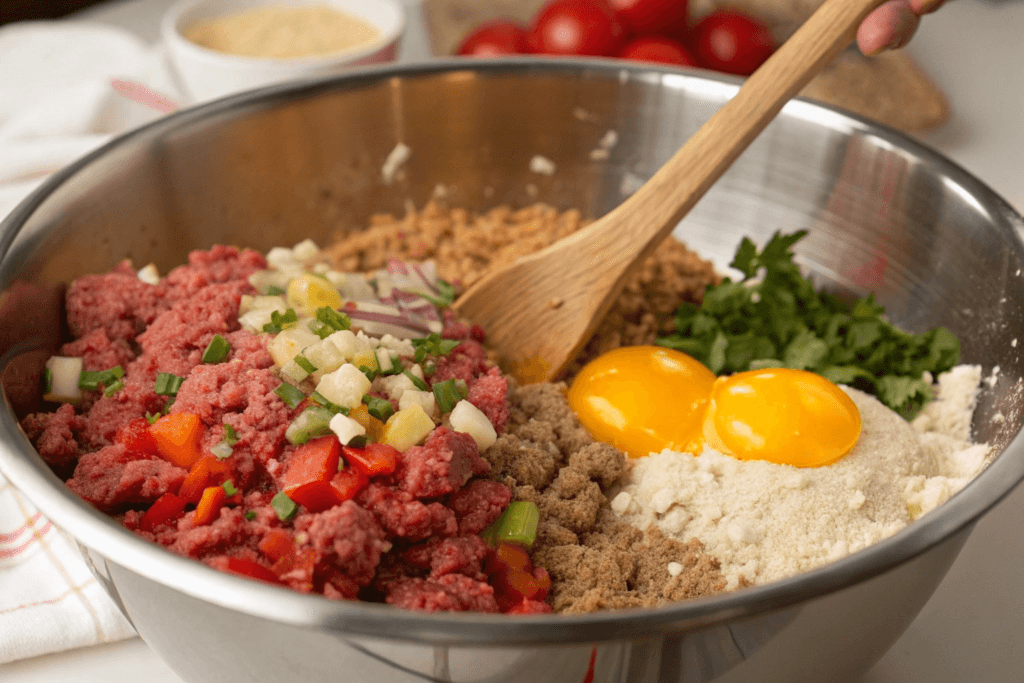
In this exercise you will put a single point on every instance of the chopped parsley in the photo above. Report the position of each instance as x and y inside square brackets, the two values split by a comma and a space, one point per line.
[250, 515]
[774, 317]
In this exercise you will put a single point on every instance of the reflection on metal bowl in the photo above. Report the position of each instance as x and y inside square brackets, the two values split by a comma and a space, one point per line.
[305, 160]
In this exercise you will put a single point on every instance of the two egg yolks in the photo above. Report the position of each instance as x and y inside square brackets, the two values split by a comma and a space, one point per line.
[644, 399]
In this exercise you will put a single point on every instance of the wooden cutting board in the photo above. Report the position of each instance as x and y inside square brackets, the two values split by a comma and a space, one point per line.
[890, 88]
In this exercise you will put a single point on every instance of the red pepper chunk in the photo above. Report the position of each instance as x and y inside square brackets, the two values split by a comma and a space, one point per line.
[276, 544]
[373, 460]
[316, 496]
[136, 437]
[316, 460]
[251, 569]
[166, 508]
[205, 472]
[210, 505]
[177, 438]
[349, 482]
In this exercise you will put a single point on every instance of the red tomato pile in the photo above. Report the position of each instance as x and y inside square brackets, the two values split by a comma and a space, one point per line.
[644, 30]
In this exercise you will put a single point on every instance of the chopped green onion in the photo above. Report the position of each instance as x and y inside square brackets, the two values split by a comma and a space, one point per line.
[419, 384]
[319, 329]
[250, 515]
[279, 321]
[229, 487]
[230, 437]
[445, 296]
[284, 506]
[429, 368]
[151, 418]
[304, 363]
[167, 406]
[47, 380]
[358, 441]
[292, 396]
[221, 450]
[274, 290]
[433, 344]
[518, 523]
[368, 371]
[321, 400]
[217, 350]
[447, 395]
[91, 381]
[379, 408]
[167, 384]
[113, 388]
[336, 320]
[312, 422]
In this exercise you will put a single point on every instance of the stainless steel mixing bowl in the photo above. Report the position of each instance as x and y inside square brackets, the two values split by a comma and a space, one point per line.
[305, 160]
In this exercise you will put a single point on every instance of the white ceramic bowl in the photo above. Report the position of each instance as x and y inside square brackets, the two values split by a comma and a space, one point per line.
[206, 74]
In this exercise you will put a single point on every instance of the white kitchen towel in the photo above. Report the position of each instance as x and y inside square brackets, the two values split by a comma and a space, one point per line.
[57, 104]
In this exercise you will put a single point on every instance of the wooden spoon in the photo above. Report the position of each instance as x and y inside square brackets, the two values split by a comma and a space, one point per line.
[540, 311]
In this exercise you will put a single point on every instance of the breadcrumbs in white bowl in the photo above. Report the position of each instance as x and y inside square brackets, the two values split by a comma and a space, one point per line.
[220, 47]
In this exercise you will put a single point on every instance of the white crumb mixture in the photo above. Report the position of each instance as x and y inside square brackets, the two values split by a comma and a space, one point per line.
[766, 521]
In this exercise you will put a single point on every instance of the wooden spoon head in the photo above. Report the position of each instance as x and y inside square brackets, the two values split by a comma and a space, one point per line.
[537, 322]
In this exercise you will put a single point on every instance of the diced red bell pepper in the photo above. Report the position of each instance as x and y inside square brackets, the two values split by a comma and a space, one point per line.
[276, 544]
[373, 460]
[166, 508]
[507, 556]
[316, 496]
[316, 460]
[251, 569]
[207, 471]
[177, 438]
[297, 568]
[349, 482]
[210, 504]
[136, 437]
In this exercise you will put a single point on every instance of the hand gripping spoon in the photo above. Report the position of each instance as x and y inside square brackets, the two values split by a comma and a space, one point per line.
[539, 311]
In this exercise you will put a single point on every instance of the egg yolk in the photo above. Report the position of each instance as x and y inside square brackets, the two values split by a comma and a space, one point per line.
[790, 417]
[643, 399]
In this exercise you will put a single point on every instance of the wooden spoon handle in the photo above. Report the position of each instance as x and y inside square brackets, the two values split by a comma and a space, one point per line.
[656, 208]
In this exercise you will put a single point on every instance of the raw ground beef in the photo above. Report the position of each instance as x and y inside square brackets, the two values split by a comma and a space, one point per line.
[409, 538]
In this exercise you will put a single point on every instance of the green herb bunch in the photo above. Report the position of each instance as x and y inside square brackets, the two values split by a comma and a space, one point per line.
[774, 317]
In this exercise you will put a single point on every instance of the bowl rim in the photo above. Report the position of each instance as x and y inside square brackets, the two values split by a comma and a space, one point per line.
[172, 36]
[96, 531]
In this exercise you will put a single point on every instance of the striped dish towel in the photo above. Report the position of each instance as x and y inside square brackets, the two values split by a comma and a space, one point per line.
[49, 600]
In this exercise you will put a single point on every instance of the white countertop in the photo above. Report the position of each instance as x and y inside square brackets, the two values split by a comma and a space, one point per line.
[972, 628]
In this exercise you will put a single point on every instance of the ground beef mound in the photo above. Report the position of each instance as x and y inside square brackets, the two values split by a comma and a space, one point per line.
[595, 560]
[409, 538]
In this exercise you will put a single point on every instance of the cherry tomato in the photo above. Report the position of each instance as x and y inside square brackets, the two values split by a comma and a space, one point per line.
[652, 17]
[733, 42]
[575, 27]
[657, 49]
[494, 39]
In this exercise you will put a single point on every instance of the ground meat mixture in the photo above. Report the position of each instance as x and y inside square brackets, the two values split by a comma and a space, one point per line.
[411, 537]
[595, 560]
